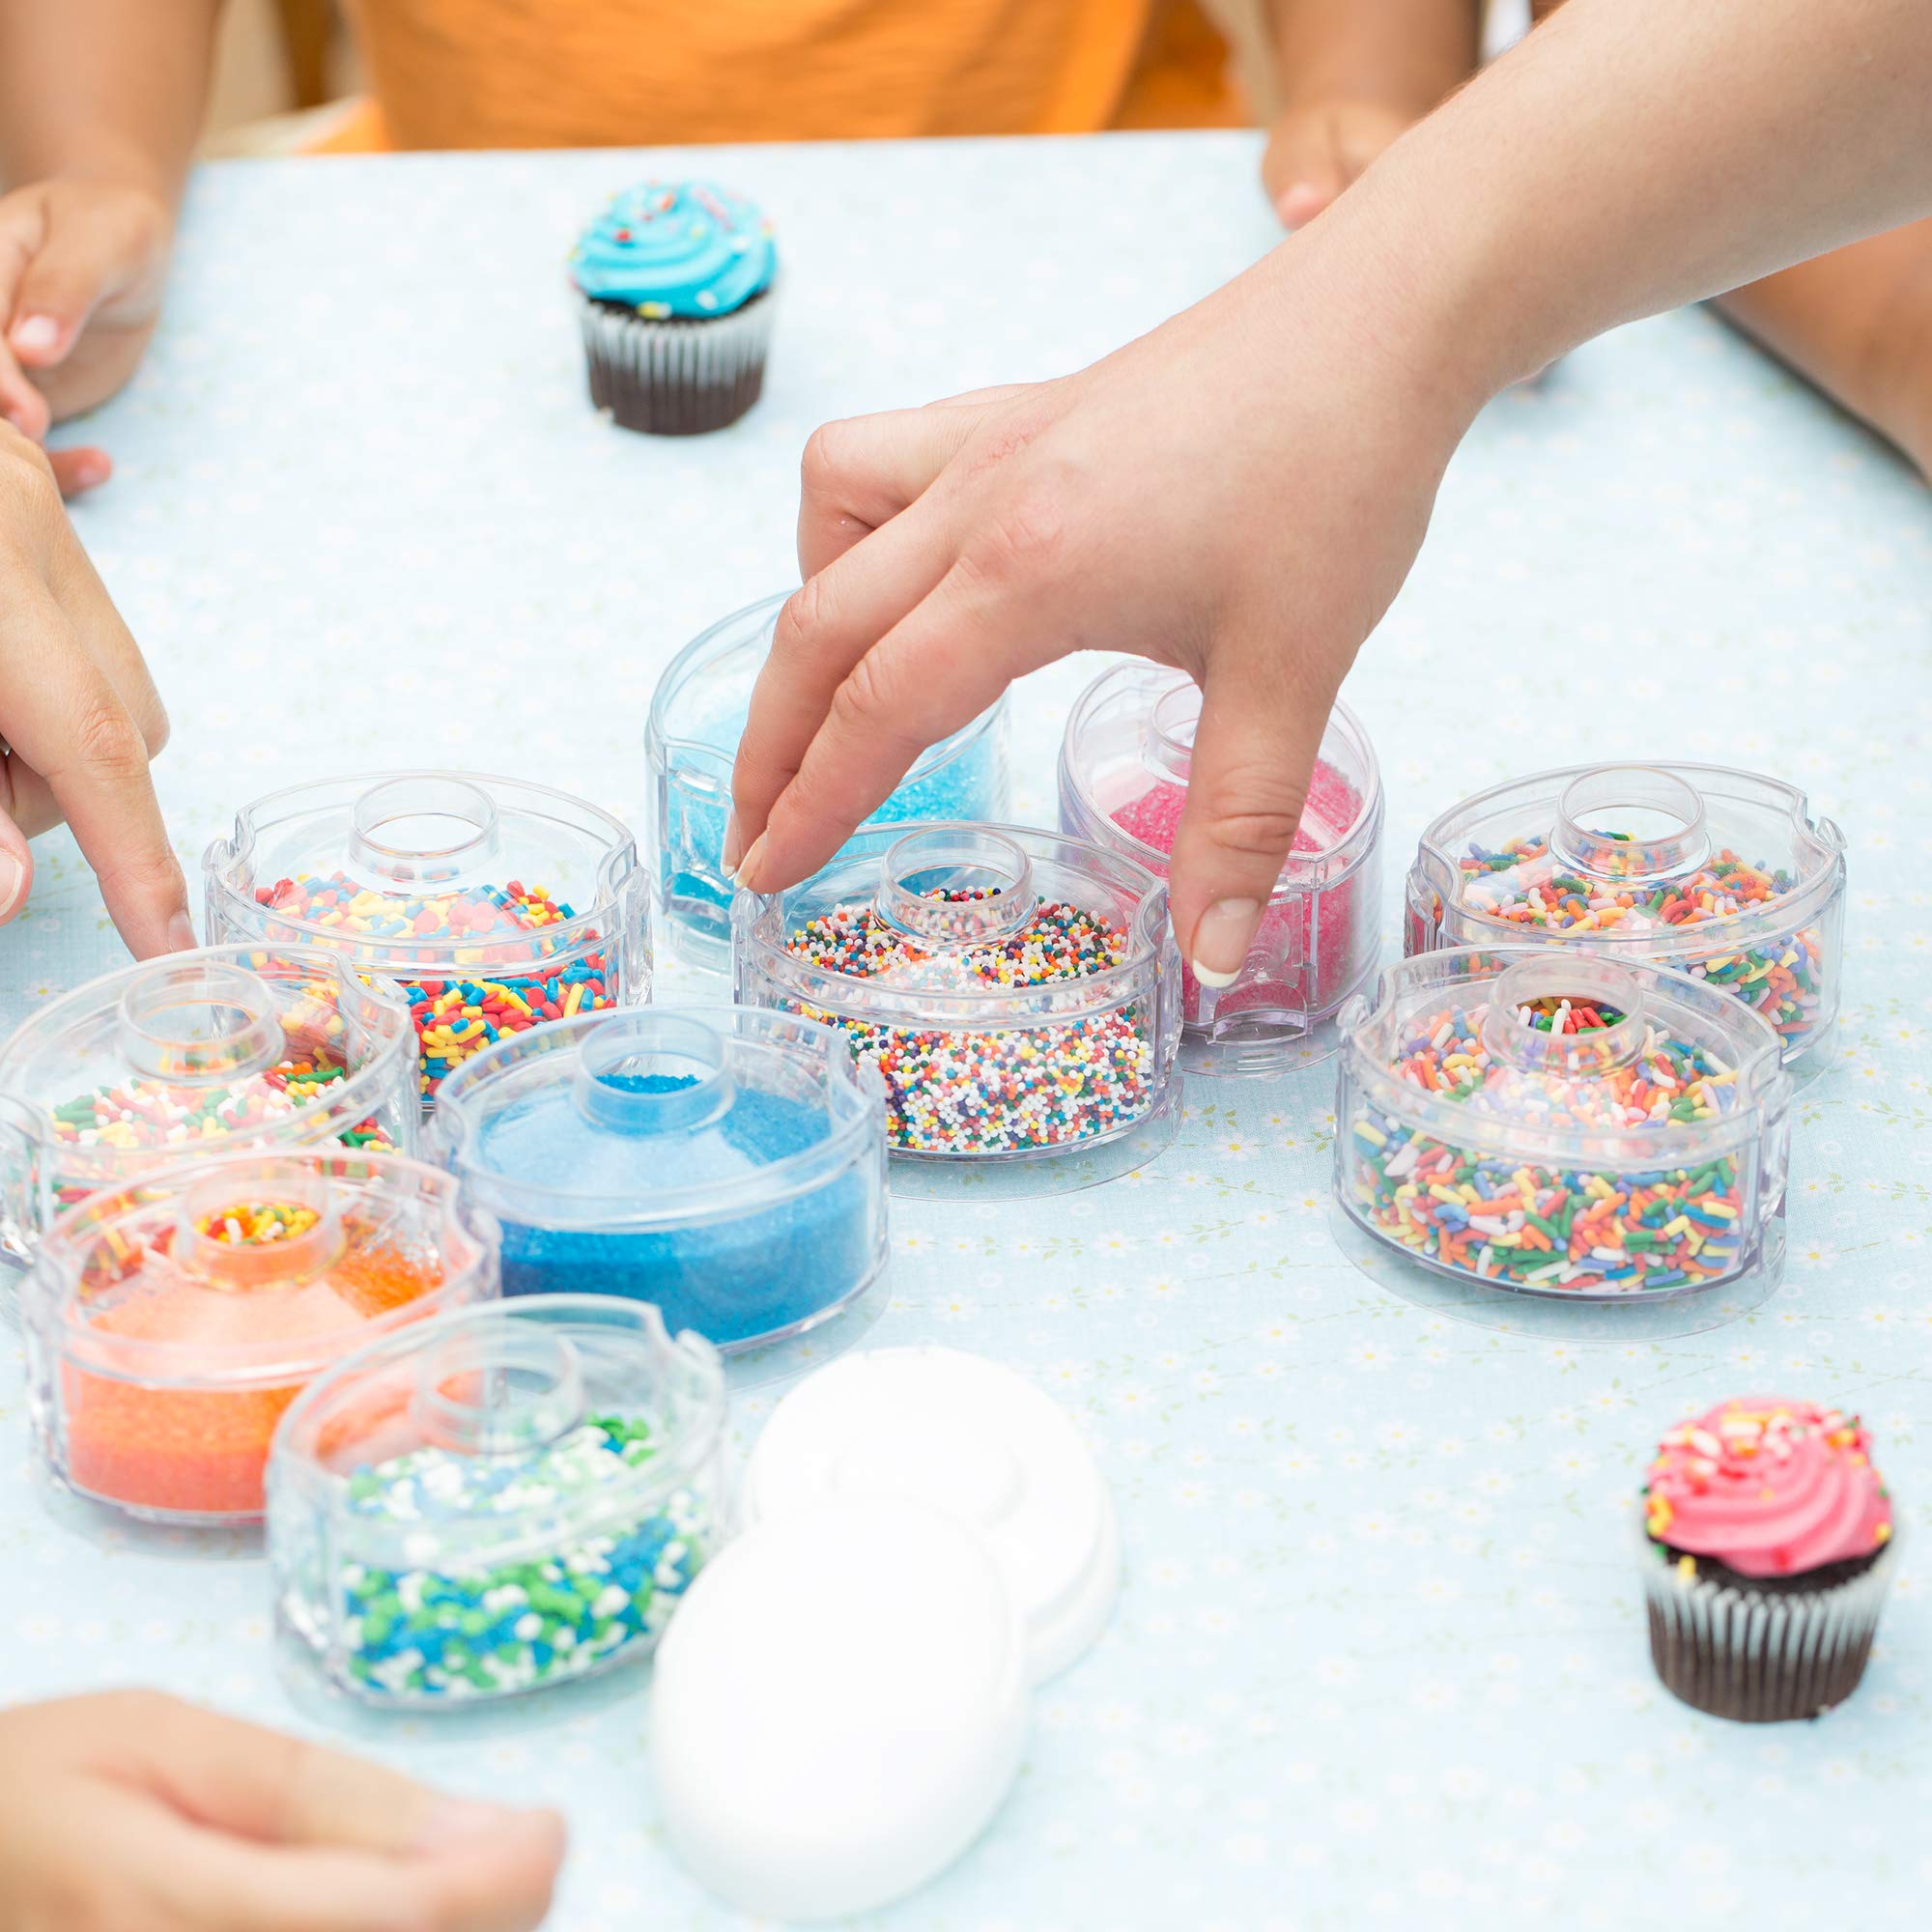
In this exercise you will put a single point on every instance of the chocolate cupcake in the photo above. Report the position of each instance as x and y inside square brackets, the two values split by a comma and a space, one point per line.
[677, 286]
[1768, 1547]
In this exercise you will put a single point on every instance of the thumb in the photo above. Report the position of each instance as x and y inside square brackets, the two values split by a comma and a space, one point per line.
[16, 867]
[1302, 169]
[1254, 753]
[83, 257]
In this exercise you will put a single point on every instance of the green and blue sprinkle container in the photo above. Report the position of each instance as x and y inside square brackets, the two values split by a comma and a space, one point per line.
[505, 1502]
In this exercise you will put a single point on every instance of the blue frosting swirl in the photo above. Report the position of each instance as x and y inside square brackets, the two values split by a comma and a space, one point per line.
[688, 249]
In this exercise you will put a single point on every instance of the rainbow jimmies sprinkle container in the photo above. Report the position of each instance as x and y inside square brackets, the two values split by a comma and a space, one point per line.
[1518, 1127]
[697, 715]
[198, 1054]
[494, 905]
[1722, 874]
[1018, 990]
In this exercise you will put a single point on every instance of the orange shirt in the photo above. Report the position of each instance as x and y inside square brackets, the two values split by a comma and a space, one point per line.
[543, 73]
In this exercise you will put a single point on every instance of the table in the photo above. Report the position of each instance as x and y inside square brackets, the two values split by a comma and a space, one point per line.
[1379, 1658]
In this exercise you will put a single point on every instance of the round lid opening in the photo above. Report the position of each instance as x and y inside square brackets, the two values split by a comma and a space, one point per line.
[257, 1223]
[499, 1389]
[198, 1023]
[1170, 730]
[1570, 1015]
[1630, 823]
[652, 1073]
[956, 885]
[423, 833]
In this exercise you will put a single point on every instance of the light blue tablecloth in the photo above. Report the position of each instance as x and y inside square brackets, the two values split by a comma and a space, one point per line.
[1379, 1660]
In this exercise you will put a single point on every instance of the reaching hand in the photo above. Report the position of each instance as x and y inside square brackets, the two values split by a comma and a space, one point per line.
[1240, 493]
[131, 1810]
[79, 717]
[82, 264]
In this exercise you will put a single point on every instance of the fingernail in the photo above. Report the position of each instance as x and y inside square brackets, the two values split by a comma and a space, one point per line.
[1301, 203]
[1221, 941]
[747, 875]
[451, 1819]
[735, 846]
[12, 877]
[181, 933]
[36, 333]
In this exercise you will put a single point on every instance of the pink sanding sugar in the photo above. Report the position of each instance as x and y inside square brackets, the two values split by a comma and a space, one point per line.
[1333, 803]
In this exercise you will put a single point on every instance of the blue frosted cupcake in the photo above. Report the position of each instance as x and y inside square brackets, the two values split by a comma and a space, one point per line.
[676, 281]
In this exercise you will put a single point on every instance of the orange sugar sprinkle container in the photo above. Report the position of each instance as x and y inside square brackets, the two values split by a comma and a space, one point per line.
[170, 1322]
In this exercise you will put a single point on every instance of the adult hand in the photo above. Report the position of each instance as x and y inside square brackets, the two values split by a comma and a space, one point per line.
[82, 265]
[79, 716]
[1238, 494]
[131, 1812]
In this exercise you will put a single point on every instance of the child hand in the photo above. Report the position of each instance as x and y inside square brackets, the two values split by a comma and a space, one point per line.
[1238, 494]
[79, 717]
[82, 265]
[1317, 149]
[130, 1809]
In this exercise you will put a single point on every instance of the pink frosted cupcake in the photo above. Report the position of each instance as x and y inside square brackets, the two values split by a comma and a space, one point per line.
[1768, 1546]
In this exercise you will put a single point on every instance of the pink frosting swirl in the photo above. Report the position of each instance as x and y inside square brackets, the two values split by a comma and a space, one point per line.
[1769, 1486]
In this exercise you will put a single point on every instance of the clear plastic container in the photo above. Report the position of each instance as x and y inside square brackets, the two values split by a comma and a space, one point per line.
[494, 904]
[1519, 1123]
[170, 1321]
[726, 1164]
[697, 715]
[1124, 770]
[509, 1500]
[1723, 874]
[204, 1052]
[1019, 991]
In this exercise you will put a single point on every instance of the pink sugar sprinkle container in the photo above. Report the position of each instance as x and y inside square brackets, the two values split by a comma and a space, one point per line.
[1123, 769]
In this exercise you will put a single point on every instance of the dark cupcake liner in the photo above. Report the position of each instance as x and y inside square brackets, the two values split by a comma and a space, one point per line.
[673, 376]
[1761, 1654]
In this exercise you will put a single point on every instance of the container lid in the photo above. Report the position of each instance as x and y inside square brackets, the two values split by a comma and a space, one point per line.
[1640, 858]
[1522, 1050]
[228, 1046]
[413, 871]
[702, 701]
[1129, 750]
[839, 1709]
[967, 925]
[968, 1437]
[657, 1117]
[250, 1271]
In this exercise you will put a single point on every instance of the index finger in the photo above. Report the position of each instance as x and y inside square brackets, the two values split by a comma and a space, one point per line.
[63, 716]
[21, 232]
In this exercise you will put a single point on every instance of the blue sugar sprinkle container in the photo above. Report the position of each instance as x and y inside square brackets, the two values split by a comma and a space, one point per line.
[697, 715]
[726, 1165]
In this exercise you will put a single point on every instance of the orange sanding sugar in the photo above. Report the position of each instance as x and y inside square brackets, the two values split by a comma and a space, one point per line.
[202, 1450]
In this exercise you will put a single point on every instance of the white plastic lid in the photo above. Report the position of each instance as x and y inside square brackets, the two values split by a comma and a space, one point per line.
[962, 1434]
[839, 1707]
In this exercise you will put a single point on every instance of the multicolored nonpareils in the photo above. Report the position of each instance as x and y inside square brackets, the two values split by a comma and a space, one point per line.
[984, 1089]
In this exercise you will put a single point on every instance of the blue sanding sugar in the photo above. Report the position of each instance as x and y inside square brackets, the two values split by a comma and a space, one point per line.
[691, 857]
[733, 1279]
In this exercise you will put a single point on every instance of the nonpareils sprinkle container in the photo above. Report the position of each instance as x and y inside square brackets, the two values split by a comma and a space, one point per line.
[494, 905]
[204, 1052]
[1556, 1124]
[1019, 991]
[1723, 874]
[1124, 770]
[171, 1321]
[697, 715]
[727, 1164]
[512, 1498]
